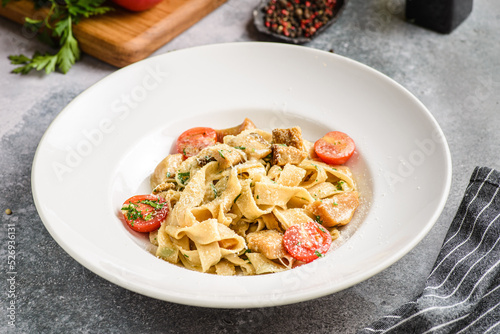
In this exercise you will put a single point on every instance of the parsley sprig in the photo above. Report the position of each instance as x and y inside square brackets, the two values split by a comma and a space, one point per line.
[56, 29]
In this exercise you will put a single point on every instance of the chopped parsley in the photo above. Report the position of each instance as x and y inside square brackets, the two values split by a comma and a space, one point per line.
[154, 204]
[236, 198]
[214, 190]
[240, 147]
[222, 155]
[318, 254]
[318, 220]
[132, 212]
[183, 177]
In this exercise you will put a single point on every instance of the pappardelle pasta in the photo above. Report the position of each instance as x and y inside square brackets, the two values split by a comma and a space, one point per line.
[243, 201]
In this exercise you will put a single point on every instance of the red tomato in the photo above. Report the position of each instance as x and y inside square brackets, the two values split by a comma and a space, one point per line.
[137, 5]
[335, 148]
[144, 213]
[192, 141]
[307, 242]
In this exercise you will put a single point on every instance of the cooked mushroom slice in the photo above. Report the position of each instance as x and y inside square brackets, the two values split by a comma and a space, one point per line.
[246, 125]
[283, 155]
[289, 137]
[251, 143]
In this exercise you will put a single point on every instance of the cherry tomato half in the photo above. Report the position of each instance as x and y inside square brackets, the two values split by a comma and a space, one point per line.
[137, 5]
[192, 141]
[144, 213]
[307, 242]
[335, 148]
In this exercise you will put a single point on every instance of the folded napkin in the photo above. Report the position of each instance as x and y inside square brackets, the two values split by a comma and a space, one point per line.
[462, 292]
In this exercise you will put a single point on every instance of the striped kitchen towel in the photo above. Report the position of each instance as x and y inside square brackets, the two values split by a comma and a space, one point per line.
[462, 292]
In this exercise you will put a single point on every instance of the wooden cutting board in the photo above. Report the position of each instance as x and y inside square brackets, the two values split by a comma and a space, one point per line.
[122, 37]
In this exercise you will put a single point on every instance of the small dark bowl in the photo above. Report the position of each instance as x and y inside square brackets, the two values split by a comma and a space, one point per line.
[258, 19]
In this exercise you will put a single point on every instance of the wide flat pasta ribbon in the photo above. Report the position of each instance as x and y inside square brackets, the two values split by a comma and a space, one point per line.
[247, 205]
[218, 200]
[273, 194]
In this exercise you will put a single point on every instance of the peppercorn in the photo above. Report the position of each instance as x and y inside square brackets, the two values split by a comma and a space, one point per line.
[297, 18]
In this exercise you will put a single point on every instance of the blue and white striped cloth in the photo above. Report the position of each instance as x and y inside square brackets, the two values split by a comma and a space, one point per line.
[462, 292]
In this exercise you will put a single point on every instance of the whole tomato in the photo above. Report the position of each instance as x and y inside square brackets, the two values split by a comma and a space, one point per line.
[137, 5]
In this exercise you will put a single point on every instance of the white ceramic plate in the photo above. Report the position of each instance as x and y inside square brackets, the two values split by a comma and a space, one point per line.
[103, 146]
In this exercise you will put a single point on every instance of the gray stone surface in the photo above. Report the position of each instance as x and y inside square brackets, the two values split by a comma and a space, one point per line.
[456, 76]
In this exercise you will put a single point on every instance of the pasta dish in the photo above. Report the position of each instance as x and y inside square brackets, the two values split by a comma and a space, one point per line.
[243, 201]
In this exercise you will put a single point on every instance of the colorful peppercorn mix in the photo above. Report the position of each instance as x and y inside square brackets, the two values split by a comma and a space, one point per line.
[297, 18]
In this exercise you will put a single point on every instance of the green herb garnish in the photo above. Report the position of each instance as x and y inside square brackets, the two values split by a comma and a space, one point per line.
[237, 198]
[154, 204]
[132, 212]
[183, 177]
[214, 189]
[318, 254]
[56, 29]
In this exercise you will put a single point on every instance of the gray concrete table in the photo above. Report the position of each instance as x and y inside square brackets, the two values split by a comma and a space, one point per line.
[457, 76]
